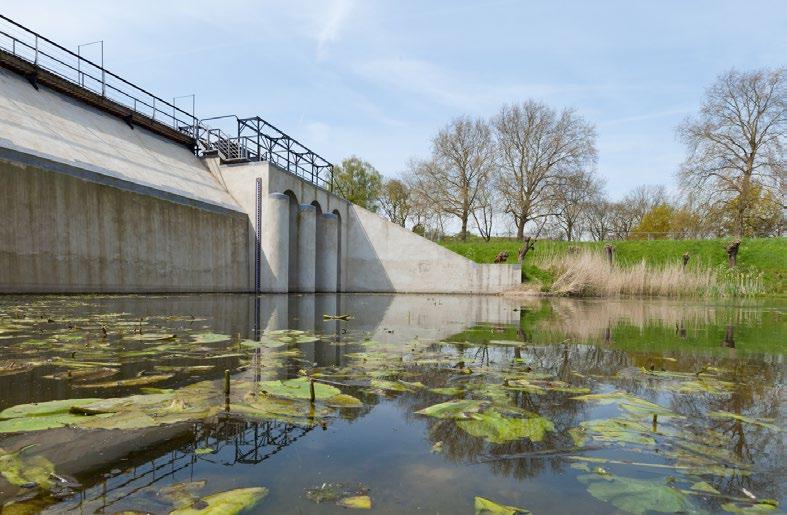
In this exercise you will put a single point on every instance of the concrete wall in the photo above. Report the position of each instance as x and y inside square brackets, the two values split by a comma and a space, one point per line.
[64, 234]
[374, 255]
[88, 204]
[387, 257]
[91, 204]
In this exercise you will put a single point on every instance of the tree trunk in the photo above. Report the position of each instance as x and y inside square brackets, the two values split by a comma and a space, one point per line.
[520, 228]
[463, 234]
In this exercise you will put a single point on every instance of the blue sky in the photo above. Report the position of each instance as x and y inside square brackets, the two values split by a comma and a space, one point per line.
[379, 78]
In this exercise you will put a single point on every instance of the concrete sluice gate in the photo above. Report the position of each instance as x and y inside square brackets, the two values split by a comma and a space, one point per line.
[90, 202]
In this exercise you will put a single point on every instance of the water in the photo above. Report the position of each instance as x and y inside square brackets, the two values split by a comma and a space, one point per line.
[713, 372]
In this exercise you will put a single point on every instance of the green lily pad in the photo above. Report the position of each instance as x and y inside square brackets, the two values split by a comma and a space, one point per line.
[135, 381]
[636, 496]
[342, 494]
[702, 486]
[457, 409]
[210, 338]
[495, 428]
[762, 506]
[225, 503]
[20, 470]
[486, 507]
[766, 423]
[39, 423]
[298, 388]
[37, 409]
[343, 401]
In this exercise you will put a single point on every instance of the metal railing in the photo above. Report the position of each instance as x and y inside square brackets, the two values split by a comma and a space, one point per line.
[257, 140]
[250, 139]
[47, 55]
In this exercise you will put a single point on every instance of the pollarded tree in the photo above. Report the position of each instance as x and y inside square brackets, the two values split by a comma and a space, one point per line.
[536, 145]
[454, 178]
[358, 181]
[736, 144]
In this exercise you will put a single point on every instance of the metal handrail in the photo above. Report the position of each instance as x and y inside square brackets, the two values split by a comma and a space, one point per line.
[254, 140]
[54, 58]
[259, 140]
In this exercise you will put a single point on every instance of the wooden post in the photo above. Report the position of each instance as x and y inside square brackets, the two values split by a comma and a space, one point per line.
[732, 253]
[311, 390]
[686, 258]
[610, 251]
[226, 382]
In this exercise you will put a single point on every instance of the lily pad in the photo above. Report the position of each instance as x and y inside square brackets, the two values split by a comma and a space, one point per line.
[357, 502]
[225, 503]
[37, 409]
[19, 469]
[495, 428]
[342, 494]
[484, 506]
[636, 496]
[135, 381]
[210, 338]
[298, 388]
[458, 409]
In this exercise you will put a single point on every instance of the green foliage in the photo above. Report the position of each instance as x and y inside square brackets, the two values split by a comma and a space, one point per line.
[655, 224]
[359, 182]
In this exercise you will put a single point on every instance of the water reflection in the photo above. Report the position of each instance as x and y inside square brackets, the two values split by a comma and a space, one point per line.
[647, 349]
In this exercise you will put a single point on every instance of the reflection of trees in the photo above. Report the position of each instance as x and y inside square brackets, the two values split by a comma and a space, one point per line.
[751, 444]
[562, 361]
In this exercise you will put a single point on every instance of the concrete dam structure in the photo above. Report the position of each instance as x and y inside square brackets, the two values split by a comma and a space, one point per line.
[107, 188]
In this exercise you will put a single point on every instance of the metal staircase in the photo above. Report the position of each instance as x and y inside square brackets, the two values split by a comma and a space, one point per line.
[257, 140]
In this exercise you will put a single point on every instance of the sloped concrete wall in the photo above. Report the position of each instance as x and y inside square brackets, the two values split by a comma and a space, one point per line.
[88, 204]
[384, 256]
[49, 125]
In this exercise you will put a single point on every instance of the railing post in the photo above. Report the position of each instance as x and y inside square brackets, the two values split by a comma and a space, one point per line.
[36, 57]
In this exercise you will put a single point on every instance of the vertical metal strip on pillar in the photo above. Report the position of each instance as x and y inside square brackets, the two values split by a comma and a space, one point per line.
[257, 234]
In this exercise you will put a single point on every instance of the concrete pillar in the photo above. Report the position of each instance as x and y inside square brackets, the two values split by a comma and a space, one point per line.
[276, 243]
[327, 252]
[307, 248]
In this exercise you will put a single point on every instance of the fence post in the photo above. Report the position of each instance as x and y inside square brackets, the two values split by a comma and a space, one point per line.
[36, 57]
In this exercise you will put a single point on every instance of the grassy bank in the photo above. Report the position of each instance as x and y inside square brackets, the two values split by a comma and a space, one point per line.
[765, 258]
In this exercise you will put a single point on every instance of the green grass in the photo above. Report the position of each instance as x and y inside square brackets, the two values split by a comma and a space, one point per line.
[765, 255]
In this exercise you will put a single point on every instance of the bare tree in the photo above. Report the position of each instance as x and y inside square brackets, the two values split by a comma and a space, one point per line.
[599, 219]
[736, 144]
[642, 199]
[395, 201]
[577, 191]
[535, 146]
[485, 212]
[459, 170]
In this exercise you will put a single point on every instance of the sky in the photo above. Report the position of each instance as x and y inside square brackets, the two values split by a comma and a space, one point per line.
[378, 79]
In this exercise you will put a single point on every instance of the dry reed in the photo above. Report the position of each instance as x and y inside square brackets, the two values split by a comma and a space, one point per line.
[589, 274]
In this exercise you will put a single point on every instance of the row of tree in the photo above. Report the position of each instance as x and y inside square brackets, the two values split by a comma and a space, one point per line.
[532, 168]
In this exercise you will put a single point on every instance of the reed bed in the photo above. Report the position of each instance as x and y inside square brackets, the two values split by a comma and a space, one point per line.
[587, 273]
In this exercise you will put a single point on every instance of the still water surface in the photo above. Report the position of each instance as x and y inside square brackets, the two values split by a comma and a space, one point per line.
[548, 405]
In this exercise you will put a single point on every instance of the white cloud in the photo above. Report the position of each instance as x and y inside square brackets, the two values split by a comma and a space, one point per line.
[338, 13]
